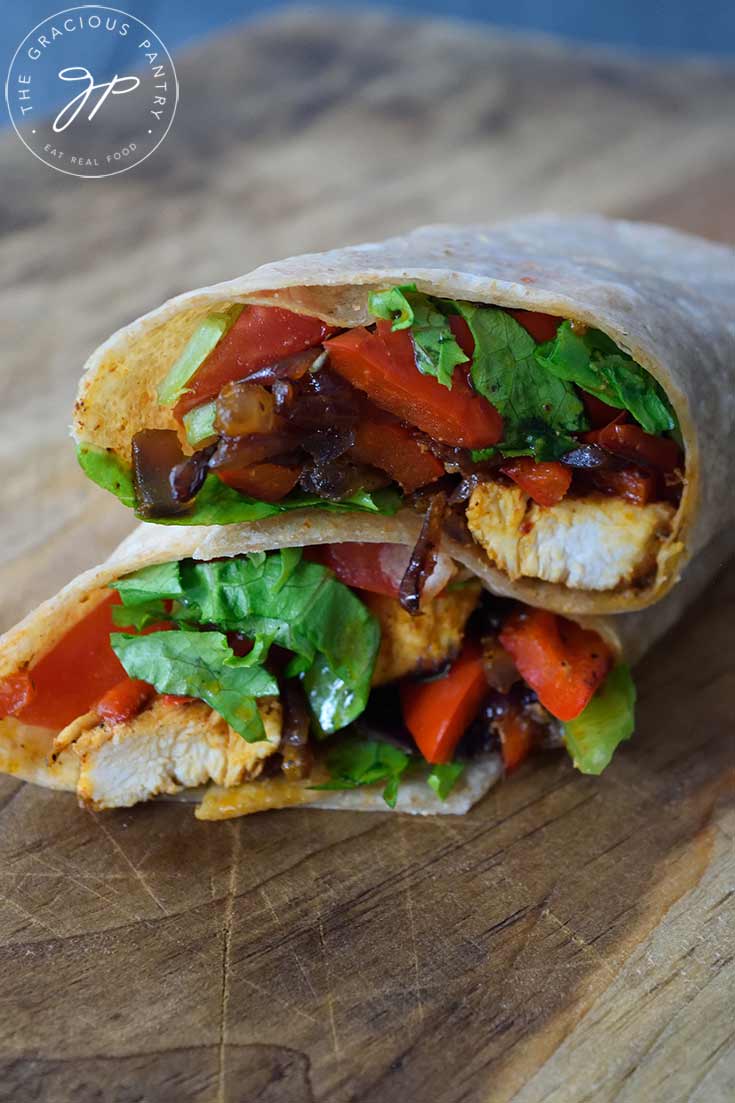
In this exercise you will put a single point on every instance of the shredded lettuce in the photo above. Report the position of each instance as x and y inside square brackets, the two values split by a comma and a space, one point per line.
[196, 350]
[436, 349]
[442, 778]
[594, 362]
[353, 762]
[608, 720]
[393, 306]
[203, 665]
[539, 410]
[273, 598]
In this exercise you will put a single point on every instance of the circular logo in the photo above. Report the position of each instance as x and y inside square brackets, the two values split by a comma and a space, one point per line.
[92, 91]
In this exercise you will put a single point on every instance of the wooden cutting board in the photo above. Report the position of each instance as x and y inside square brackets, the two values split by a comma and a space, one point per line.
[571, 939]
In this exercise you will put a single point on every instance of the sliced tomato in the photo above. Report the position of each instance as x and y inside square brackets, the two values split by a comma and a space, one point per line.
[268, 482]
[561, 661]
[361, 566]
[76, 672]
[598, 412]
[16, 693]
[438, 713]
[546, 483]
[516, 736]
[542, 327]
[633, 483]
[632, 443]
[262, 335]
[382, 365]
[462, 334]
[383, 442]
[176, 699]
[125, 700]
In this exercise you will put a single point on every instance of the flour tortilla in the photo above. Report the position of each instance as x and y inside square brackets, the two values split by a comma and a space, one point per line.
[24, 749]
[665, 297]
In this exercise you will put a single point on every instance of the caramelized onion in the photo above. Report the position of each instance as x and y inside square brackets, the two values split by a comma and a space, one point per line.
[589, 457]
[156, 454]
[339, 479]
[423, 557]
[296, 753]
[187, 478]
[325, 445]
[325, 400]
[244, 408]
[500, 669]
[234, 452]
[291, 367]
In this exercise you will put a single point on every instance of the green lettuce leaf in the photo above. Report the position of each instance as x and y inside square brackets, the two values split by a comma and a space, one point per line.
[392, 305]
[353, 762]
[203, 665]
[218, 504]
[157, 583]
[204, 338]
[153, 612]
[609, 718]
[444, 777]
[539, 410]
[276, 598]
[104, 467]
[436, 349]
[595, 363]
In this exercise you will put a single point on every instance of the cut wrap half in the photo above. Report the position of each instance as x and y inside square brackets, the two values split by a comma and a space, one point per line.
[278, 664]
[565, 388]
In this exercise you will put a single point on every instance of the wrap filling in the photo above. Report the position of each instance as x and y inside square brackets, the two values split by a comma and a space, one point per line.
[278, 676]
[551, 448]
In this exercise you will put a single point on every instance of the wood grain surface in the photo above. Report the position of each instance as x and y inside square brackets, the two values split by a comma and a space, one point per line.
[570, 940]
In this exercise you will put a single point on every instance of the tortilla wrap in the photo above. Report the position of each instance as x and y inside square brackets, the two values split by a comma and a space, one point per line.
[24, 750]
[666, 298]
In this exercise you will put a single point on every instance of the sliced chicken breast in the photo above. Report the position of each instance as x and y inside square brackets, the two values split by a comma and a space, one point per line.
[166, 748]
[421, 643]
[592, 543]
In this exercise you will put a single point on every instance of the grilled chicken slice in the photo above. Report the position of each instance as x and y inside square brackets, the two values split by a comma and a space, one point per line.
[422, 643]
[166, 748]
[592, 543]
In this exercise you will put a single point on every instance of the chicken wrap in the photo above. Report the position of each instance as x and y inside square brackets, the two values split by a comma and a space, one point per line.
[561, 390]
[276, 664]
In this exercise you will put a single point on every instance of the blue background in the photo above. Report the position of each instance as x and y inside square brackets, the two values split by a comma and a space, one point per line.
[659, 26]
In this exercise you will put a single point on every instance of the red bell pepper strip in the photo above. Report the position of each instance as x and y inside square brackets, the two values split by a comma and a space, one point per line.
[632, 483]
[268, 482]
[262, 335]
[438, 713]
[562, 662]
[599, 413]
[16, 693]
[632, 443]
[385, 443]
[516, 736]
[546, 483]
[382, 365]
[124, 701]
[542, 327]
[360, 566]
